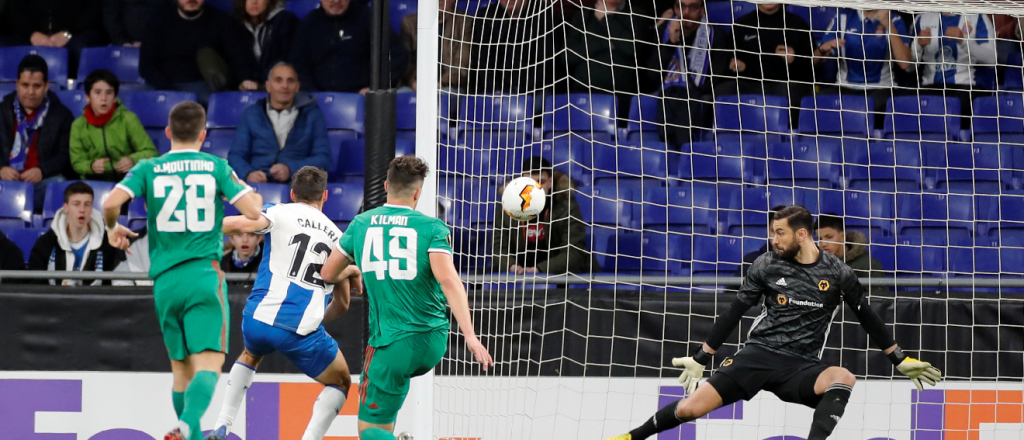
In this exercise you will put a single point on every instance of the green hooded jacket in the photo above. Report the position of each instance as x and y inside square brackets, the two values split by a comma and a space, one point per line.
[122, 136]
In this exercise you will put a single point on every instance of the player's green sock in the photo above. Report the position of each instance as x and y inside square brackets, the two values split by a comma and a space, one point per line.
[375, 434]
[197, 399]
[178, 397]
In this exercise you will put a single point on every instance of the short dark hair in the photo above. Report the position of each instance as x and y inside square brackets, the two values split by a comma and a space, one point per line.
[830, 220]
[797, 216]
[405, 172]
[34, 63]
[536, 164]
[309, 183]
[78, 188]
[187, 121]
[102, 75]
[771, 214]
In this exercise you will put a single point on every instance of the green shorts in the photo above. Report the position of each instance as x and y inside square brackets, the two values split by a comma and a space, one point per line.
[192, 307]
[387, 370]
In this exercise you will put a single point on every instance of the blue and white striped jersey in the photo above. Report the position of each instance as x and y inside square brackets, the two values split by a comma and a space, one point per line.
[865, 58]
[946, 60]
[289, 293]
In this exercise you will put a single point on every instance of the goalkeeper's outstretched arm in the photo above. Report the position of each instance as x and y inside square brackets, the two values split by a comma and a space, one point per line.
[750, 292]
[917, 371]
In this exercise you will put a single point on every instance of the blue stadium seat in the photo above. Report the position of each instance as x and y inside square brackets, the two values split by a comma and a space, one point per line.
[999, 118]
[1012, 207]
[973, 169]
[726, 13]
[122, 61]
[643, 118]
[762, 198]
[911, 257]
[350, 161]
[590, 116]
[74, 100]
[218, 142]
[873, 211]
[26, 239]
[752, 117]
[16, 203]
[344, 200]
[137, 213]
[934, 219]
[56, 61]
[818, 17]
[54, 199]
[271, 193]
[1014, 79]
[674, 209]
[472, 7]
[922, 117]
[226, 108]
[301, 7]
[399, 9]
[405, 116]
[7, 88]
[505, 119]
[343, 111]
[153, 108]
[473, 214]
[610, 205]
[836, 115]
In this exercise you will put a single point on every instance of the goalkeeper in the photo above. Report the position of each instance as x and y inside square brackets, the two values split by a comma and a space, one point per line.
[801, 290]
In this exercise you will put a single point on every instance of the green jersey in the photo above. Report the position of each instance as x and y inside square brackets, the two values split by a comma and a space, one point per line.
[183, 189]
[391, 245]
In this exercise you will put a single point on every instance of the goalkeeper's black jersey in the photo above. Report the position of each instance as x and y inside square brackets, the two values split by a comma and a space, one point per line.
[799, 301]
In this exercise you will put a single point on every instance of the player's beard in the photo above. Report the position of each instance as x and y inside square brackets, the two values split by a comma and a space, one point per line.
[789, 253]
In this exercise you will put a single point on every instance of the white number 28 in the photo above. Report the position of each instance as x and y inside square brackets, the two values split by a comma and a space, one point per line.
[170, 188]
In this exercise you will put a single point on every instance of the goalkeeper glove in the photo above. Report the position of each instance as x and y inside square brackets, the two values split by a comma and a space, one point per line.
[693, 369]
[914, 369]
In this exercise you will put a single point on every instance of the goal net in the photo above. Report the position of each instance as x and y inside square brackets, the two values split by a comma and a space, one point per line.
[665, 133]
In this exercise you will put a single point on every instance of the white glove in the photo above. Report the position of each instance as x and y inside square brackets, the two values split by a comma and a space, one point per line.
[693, 371]
[917, 371]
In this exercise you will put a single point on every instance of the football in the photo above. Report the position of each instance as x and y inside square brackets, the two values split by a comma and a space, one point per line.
[523, 199]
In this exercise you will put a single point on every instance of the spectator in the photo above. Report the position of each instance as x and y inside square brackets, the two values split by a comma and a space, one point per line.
[76, 240]
[193, 48]
[455, 30]
[950, 49]
[34, 130]
[691, 53]
[108, 139]
[126, 20]
[749, 258]
[336, 38]
[137, 261]
[849, 246]
[605, 47]
[515, 42]
[867, 43]
[281, 133]
[774, 51]
[71, 24]
[11, 257]
[552, 243]
[246, 255]
[271, 31]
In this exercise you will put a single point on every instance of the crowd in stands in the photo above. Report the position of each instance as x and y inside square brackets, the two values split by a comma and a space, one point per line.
[291, 67]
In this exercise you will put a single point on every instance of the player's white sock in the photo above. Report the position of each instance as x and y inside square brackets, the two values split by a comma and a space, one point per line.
[325, 410]
[239, 381]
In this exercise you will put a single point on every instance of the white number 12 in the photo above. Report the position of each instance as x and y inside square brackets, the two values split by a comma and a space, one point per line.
[374, 247]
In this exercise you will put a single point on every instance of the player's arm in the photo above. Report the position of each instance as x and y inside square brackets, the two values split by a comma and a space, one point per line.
[118, 235]
[239, 224]
[750, 291]
[250, 205]
[351, 282]
[853, 295]
[443, 267]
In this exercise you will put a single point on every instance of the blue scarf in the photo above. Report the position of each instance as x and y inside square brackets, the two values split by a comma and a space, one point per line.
[26, 132]
[695, 63]
[239, 263]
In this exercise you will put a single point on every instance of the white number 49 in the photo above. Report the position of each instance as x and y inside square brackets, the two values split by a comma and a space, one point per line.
[373, 253]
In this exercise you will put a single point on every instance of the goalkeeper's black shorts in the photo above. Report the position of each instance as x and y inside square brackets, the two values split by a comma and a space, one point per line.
[755, 368]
